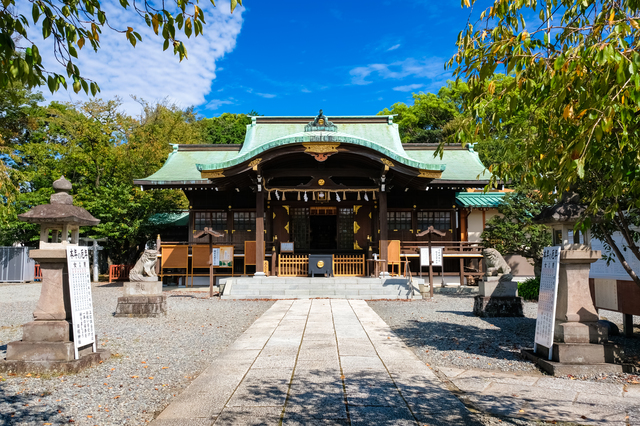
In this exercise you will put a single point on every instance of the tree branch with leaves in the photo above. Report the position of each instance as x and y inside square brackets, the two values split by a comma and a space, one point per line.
[72, 24]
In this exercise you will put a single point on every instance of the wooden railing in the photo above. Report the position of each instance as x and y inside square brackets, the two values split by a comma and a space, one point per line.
[293, 265]
[348, 265]
[119, 272]
[464, 251]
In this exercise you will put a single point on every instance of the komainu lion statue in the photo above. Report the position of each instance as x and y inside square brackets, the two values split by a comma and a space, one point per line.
[496, 265]
[145, 269]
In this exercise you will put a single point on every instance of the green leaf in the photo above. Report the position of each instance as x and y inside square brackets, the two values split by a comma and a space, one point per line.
[35, 13]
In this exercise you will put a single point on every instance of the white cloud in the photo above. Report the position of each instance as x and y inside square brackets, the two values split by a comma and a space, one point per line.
[217, 103]
[426, 68]
[393, 47]
[408, 87]
[146, 71]
[266, 95]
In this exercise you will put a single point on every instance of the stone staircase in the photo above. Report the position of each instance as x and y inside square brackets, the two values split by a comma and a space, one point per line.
[311, 288]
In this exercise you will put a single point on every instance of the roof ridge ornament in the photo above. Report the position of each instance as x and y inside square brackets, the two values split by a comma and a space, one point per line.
[320, 124]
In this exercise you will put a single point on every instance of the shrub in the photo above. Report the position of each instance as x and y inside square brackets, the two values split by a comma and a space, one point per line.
[529, 289]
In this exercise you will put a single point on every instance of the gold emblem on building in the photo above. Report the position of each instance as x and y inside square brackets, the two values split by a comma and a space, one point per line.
[430, 174]
[212, 174]
[320, 264]
[387, 162]
[321, 182]
[254, 163]
[321, 151]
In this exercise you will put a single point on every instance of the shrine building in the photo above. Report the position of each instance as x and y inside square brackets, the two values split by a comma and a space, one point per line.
[344, 187]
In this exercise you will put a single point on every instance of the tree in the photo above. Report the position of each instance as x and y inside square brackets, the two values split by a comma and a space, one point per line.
[226, 129]
[98, 149]
[423, 122]
[514, 232]
[74, 23]
[577, 66]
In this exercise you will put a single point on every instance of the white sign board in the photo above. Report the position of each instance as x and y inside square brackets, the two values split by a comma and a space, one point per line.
[614, 271]
[436, 256]
[215, 257]
[286, 247]
[548, 298]
[80, 294]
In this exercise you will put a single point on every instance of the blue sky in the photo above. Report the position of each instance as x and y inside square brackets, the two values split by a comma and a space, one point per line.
[287, 57]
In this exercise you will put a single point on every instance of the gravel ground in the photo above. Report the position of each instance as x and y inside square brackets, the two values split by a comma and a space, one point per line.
[153, 359]
[444, 332]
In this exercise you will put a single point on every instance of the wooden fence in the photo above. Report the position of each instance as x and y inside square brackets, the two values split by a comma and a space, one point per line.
[119, 272]
[348, 265]
[293, 265]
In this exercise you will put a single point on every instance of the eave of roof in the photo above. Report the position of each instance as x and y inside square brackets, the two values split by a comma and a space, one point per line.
[479, 199]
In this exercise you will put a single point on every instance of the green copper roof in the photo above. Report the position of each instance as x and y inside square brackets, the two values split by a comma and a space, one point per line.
[479, 199]
[263, 135]
[181, 166]
[377, 133]
[173, 219]
[462, 164]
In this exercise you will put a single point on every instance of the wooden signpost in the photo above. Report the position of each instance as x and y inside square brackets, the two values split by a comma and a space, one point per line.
[429, 231]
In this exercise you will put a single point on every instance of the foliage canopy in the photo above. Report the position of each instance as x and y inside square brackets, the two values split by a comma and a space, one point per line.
[576, 66]
[72, 24]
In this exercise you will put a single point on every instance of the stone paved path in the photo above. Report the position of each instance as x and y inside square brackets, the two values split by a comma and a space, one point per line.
[332, 361]
[317, 361]
[548, 398]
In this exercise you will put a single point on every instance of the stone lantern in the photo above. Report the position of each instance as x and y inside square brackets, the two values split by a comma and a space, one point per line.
[47, 342]
[580, 342]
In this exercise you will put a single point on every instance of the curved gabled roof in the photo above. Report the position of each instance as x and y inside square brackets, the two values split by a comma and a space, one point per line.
[252, 150]
[374, 133]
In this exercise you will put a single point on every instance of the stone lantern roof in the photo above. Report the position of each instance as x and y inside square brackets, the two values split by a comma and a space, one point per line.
[61, 211]
[568, 210]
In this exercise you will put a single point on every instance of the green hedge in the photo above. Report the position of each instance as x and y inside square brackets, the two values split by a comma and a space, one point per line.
[529, 289]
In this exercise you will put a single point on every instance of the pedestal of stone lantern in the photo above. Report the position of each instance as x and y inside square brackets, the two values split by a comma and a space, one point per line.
[47, 341]
[581, 344]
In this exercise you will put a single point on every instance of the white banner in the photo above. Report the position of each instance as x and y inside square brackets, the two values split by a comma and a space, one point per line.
[548, 297]
[80, 294]
[436, 256]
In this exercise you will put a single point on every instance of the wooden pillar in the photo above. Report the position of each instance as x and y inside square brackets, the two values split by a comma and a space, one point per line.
[259, 232]
[382, 218]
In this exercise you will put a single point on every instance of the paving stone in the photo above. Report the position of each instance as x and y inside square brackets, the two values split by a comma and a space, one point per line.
[275, 361]
[250, 416]
[366, 415]
[360, 363]
[580, 386]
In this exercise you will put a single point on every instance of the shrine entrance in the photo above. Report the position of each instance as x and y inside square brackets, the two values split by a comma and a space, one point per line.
[323, 224]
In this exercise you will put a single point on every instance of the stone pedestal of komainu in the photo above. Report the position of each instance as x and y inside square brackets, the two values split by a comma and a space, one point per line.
[498, 296]
[145, 268]
[143, 294]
